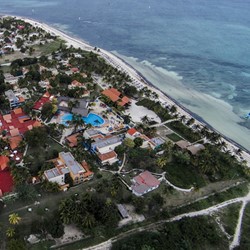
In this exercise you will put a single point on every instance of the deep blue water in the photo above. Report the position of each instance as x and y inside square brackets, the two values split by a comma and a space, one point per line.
[207, 42]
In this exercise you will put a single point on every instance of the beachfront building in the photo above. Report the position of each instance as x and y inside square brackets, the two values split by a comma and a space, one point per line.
[115, 96]
[65, 165]
[191, 148]
[195, 148]
[144, 183]
[182, 144]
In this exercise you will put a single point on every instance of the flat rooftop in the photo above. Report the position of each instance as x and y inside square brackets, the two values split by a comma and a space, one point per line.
[71, 163]
[107, 141]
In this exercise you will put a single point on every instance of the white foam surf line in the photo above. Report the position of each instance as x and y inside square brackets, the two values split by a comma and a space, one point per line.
[218, 112]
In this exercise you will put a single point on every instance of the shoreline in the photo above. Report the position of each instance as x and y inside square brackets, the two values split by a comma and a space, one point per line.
[124, 66]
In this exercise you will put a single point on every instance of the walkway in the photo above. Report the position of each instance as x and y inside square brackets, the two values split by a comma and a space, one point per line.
[163, 123]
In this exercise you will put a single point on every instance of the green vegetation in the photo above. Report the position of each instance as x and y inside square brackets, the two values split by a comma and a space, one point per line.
[50, 47]
[174, 137]
[184, 131]
[184, 175]
[195, 233]
[41, 149]
[231, 193]
[245, 240]
[229, 217]
[156, 107]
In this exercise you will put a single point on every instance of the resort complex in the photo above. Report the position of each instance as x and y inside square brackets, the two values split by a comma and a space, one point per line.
[91, 154]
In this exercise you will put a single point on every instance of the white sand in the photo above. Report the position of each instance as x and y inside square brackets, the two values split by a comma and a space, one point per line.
[138, 112]
[218, 113]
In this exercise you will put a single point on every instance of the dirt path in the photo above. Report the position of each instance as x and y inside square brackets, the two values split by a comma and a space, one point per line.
[178, 199]
[237, 234]
[208, 211]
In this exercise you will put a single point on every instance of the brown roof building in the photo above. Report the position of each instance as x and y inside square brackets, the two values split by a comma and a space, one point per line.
[194, 149]
[182, 144]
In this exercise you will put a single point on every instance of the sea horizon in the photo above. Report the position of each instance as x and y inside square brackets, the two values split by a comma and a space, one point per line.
[215, 87]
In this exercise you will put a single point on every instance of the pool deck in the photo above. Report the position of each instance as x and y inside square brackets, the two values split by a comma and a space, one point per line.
[112, 122]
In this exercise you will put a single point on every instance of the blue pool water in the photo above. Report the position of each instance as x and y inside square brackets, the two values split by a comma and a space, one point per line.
[93, 119]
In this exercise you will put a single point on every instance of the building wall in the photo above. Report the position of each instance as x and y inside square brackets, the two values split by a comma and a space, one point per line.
[110, 161]
[109, 148]
[58, 179]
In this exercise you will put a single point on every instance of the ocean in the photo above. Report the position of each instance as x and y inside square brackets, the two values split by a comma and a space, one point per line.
[196, 51]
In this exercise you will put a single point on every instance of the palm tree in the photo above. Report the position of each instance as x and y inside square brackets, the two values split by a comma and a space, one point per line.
[145, 119]
[162, 161]
[182, 118]
[14, 219]
[77, 121]
[19, 174]
[10, 232]
[88, 221]
[168, 147]
[239, 151]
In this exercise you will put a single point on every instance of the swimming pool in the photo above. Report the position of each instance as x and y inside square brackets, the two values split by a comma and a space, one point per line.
[93, 119]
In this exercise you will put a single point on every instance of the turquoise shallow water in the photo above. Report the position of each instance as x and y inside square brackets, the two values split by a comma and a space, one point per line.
[206, 43]
[93, 119]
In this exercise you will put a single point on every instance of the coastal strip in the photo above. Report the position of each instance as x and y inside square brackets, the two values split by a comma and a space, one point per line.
[136, 77]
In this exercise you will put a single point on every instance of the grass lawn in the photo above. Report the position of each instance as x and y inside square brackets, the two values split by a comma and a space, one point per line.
[184, 176]
[174, 137]
[184, 131]
[52, 145]
[48, 48]
[11, 57]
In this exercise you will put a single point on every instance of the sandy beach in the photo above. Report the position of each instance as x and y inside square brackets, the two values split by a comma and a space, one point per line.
[119, 63]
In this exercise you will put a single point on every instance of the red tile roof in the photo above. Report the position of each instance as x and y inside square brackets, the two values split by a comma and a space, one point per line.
[72, 139]
[4, 162]
[125, 100]
[74, 69]
[14, 141]
[6, 182]
[132, 131]
[86, 167]
[76, 83]
[18, 111]
[112, 96]
[16, 121]
[115, 91]
[146, 178]
[106, 156]
[44, 99]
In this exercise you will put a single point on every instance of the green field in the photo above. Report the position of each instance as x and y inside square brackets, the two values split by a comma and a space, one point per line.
[174, 137]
